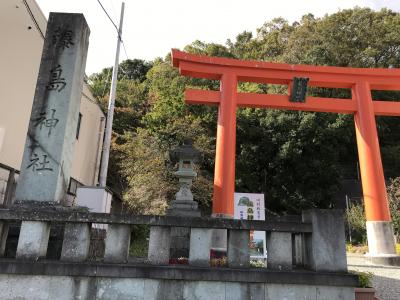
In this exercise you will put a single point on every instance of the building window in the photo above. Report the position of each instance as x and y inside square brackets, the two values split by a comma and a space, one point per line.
[73, 186]
[79, 125]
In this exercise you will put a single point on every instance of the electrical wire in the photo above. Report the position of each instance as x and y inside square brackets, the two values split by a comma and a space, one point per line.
[116, 28]
[111, 20]
[126, 54]
[43, 37]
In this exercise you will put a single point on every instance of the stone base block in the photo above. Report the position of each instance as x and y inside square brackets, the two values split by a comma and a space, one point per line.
[238, 248]
[326, 249]
[159, 245]
[200, 244]
[118, 240]
[184, 208]
[33, 240]
[219, 239]
[279, 249]
[76, 242]
[386, 260]
[380, 238]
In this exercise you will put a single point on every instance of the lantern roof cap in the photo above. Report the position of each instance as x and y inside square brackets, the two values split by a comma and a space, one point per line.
[185, 151]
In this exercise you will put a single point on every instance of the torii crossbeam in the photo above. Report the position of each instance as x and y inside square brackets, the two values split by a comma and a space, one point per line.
[360, 81]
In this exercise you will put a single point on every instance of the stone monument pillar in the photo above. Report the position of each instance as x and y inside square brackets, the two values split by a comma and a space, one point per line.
[183, 205]
[48, 154]
[47, 159]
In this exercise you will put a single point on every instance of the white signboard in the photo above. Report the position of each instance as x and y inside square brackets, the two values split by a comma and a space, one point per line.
[251, 207]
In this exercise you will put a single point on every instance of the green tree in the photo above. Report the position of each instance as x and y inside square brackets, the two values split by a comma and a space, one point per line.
[149, 185]
[295, 158]
[134, 69]
[273, 38]
[199, 47]
[394, 204]
[355, 217]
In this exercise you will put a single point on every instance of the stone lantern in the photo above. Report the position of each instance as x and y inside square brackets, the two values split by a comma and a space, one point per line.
[183, 205]
[185, 155]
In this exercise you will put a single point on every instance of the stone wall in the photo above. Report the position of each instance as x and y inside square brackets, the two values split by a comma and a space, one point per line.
[68, 287]
[62, 280]
[307, 269]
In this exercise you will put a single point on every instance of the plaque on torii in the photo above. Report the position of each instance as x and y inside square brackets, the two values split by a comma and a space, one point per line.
[361, 81]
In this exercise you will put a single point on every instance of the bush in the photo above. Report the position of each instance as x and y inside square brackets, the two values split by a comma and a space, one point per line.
[393, 192]
[219, 262]
[140, 243]
[364, 278]
[355, 218]
[361, 249]
[257, 263]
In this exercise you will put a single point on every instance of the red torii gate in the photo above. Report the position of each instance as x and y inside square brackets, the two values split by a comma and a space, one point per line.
[360, 81]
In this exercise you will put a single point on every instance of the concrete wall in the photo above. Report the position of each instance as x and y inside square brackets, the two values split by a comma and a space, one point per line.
[68, 287]
[21, 47]
[86, 163]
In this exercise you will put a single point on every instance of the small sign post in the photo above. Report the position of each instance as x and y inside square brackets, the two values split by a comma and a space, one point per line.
[252, 207]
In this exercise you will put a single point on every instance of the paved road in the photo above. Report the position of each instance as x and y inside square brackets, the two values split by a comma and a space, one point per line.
[386, 280]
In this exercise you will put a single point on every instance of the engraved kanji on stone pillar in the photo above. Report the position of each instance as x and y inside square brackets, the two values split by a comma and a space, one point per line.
[47, 160]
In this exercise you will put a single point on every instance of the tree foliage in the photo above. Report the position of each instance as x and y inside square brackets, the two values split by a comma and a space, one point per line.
[355, 224]
[296, 158]
[394, 204]
[356, 218]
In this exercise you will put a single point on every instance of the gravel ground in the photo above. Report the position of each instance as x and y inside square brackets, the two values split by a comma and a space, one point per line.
[386, 280]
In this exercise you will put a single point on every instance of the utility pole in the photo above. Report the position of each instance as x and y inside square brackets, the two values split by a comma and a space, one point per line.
[111, 104]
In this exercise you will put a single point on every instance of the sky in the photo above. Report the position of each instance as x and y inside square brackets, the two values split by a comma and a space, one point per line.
[151, 28]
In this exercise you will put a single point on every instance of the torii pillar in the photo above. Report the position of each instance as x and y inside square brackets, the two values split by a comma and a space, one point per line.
[360, 81]
[224, 173]
[379, 225]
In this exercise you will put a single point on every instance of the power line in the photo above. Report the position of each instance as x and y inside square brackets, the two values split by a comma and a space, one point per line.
[111, 20]
[123, 45]
[116, 28]
[43, 37]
